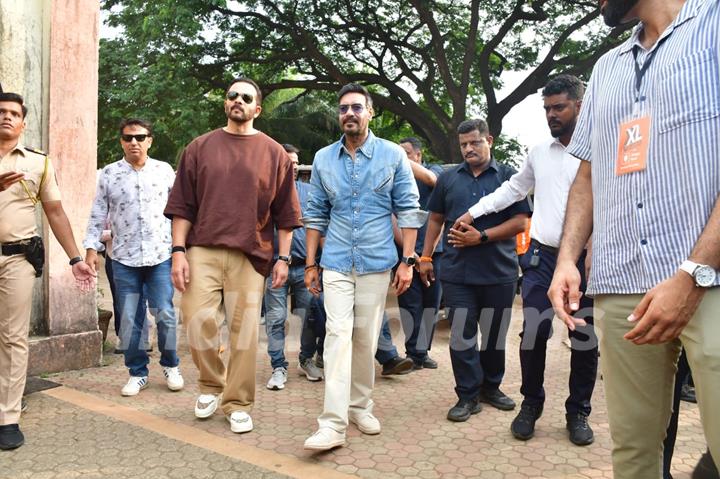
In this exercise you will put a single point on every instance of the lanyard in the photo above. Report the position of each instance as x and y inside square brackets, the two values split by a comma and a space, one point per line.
[640, 72]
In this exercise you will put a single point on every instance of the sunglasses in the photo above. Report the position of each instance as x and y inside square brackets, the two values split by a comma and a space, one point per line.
[129, 138]
[357, 108]
[246, 97]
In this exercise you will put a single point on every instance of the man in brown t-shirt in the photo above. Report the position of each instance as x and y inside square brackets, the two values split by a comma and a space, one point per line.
[232, 186]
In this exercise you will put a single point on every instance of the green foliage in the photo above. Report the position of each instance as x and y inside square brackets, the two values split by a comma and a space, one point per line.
[427, 63]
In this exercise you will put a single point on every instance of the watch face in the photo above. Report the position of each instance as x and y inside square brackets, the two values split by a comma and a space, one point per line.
[705, 276]
[410, 261]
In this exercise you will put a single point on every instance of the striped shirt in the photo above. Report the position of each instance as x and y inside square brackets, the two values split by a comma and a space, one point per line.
[646, 223]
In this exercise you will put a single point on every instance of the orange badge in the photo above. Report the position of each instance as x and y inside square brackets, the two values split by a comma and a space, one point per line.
[633, 146]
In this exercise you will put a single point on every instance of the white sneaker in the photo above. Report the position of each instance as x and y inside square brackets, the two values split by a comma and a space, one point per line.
[206, 405]
[325, 438]
[366, 422]
[240, 422]
[307, 368]
[175, 381]
[134, 385]
[278, 379]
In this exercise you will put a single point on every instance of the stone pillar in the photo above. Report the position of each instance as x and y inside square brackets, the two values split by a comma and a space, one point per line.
[50, 55]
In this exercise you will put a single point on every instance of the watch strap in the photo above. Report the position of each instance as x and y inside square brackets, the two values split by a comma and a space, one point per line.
[689, 267]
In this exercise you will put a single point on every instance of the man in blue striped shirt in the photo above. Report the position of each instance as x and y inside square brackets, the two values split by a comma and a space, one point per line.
[647, 189]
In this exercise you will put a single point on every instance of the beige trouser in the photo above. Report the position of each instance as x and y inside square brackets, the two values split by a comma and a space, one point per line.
[17, 277]
[223, 284]
[354, 305]
[639, 382]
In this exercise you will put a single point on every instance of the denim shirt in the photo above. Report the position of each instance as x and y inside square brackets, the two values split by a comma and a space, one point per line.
[352, 202]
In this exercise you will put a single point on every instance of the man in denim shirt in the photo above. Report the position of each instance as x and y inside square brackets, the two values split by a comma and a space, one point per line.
[357, 184]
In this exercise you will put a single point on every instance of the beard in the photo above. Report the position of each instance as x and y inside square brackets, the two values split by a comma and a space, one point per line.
[353, 128]
[559, 129]
[615, 11]
[238, 115]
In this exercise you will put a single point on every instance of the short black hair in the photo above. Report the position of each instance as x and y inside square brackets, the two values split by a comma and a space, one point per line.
[249, 81]
[475, 124]
[414, 142]
[356, 88]
[290, 148]
[15, 98]
[136, 121]
[569, 84]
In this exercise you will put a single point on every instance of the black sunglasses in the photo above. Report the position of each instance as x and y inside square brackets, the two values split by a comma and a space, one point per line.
[357, 108]
[129, 138]
[246, 97]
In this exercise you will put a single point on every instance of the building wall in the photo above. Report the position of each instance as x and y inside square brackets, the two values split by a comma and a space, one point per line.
[49, 54]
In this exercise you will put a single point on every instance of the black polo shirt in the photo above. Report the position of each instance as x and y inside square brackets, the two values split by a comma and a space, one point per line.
[455, 192]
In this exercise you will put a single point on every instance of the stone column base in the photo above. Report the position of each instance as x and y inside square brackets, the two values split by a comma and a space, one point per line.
[64, 352]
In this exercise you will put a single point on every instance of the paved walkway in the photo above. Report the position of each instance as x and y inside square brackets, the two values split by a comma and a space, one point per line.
[86, 429]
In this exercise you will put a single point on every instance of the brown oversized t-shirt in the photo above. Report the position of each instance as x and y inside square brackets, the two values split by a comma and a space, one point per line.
[233, 189]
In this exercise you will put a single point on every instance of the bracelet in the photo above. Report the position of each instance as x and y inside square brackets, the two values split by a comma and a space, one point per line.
[311, 266]
[178, 249]
[75, 260]
[425, 259]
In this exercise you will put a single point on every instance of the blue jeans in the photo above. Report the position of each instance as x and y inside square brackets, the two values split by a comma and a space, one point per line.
[386, 350]
[276, 315]
[154, 281]
[116, 309]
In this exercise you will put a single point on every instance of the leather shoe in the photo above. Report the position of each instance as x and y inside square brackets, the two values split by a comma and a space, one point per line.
[397, 365]
[687, 394]
[705, 468]
[464, 408]
[523, 426]
[427, 363]
[11, 437]
[497, 399]
[581, 434]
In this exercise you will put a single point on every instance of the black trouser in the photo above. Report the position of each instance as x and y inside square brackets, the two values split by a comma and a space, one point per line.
[490, 308]
[418, 314]
[681, 377]
[537, 329]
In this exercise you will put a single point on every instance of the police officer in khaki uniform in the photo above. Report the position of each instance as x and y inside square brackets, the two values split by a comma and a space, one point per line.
[26, 178]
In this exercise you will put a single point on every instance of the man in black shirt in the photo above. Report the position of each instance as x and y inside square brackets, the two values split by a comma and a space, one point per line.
[479, 270]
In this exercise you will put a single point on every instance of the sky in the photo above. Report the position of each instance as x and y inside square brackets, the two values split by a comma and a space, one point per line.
[526, 121]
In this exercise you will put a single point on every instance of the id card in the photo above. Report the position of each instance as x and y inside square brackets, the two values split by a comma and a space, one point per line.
[633, 142]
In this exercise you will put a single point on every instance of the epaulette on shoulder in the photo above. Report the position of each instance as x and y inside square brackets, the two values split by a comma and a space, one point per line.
[35, 150]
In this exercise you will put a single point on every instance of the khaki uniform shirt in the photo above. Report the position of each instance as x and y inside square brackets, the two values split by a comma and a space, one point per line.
[17, 210]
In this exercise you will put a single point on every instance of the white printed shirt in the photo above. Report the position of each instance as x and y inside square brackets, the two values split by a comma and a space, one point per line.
[132, 201]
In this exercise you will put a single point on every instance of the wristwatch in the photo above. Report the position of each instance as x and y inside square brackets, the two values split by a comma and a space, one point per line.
[287, 259]
[409, 260]
[703, 274]
[484, 238]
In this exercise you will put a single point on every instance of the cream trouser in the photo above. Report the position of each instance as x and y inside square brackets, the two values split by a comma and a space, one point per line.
[639, 382]
[354, 305]
[17, 277]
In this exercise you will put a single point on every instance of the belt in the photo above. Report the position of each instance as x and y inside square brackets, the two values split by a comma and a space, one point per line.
[544, 247]
[10, 249]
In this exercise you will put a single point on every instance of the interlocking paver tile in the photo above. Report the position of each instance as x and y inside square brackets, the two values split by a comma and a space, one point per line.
[416, 441]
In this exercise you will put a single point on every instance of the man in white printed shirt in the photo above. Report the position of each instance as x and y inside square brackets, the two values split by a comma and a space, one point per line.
[132, 194]
[550, 171]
